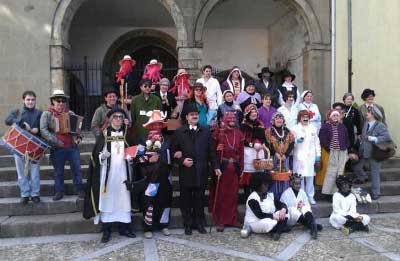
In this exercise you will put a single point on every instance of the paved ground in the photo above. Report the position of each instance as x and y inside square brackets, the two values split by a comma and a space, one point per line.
[381, 243]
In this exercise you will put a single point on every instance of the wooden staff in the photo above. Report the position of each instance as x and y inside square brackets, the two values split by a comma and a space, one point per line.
[123, 92]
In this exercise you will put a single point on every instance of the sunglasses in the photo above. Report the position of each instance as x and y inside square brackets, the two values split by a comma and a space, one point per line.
[61, 100]
[146, 86]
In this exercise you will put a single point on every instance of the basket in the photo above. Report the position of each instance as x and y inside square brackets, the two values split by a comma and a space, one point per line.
[263, 164]
[281, 176]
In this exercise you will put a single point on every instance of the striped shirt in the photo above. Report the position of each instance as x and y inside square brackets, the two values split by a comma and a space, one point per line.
[335, 138]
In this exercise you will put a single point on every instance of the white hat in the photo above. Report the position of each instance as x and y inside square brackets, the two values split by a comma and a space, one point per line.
[59, 93]
[153, 61]
[127, 58]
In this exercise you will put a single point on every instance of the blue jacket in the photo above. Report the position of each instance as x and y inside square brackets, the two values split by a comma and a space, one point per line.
[19, 116]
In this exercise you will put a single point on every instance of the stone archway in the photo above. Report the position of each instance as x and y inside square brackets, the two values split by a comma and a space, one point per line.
[134, 41]
[62, 19]
[302, 7]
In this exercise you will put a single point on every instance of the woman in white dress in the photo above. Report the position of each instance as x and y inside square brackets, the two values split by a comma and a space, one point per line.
[307, 153]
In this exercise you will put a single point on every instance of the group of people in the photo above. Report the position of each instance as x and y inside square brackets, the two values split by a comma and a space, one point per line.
[222, 129]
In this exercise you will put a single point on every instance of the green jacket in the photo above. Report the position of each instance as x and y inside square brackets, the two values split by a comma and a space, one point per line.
[139, 108]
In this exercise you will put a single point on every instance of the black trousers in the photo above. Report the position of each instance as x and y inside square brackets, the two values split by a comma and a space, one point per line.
[307, 220]
[122, 227]
[192, 206]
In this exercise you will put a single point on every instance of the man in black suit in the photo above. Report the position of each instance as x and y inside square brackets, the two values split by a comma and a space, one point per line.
[168, 101]
[267, 85]
[193, 148]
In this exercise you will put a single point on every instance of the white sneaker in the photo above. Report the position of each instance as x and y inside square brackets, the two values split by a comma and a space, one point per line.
[312, 201]
[165, 232]
[148, 234]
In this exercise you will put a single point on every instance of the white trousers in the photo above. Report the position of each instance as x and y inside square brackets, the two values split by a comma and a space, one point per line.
[307, 184]
[263, 225]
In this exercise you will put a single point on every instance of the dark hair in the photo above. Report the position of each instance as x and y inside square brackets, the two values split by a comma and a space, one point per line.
[258, 179]
[265, 95]
[145, 82]
[206, 67]
[340, 104]
[366, 93]
[28, 93]
[285, 97]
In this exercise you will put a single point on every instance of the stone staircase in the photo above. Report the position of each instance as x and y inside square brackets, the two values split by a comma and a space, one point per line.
[65, 217]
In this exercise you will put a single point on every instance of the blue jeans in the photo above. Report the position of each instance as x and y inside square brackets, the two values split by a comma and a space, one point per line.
[29, 185]
[58, 157]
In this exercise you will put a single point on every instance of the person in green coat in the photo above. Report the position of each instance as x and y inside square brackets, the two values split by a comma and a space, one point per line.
[142, 105]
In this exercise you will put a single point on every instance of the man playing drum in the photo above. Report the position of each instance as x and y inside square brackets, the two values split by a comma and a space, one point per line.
[64, 145]
[27, 118]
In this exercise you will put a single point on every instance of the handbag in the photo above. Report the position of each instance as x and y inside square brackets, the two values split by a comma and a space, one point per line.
[383, 151]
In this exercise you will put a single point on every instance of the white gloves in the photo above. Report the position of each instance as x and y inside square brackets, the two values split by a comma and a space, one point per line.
[104, 155]
[373, 139]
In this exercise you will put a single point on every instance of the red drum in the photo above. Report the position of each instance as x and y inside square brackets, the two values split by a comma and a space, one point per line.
[24, 144]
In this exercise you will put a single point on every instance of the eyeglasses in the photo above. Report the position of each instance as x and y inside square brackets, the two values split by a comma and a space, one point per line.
[119, 116]
[146, 86]
[61, 100]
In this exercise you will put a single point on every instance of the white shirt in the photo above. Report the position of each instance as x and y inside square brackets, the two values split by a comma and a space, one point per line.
[214, 94]
[290, 115]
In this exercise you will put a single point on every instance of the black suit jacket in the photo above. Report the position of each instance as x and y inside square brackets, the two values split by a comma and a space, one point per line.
[272, 90]
[171, 103]
[200, 147]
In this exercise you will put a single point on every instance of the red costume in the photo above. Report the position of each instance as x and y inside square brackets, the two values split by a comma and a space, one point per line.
[231, 158]
[153, 71]
[126, 66]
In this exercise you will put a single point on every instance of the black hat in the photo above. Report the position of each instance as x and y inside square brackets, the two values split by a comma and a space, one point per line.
[146, 82]
[248, 83]
[264, 70]
[109, 90]
[287, 73]
[366, 93]
[115, 110]
[188, 108]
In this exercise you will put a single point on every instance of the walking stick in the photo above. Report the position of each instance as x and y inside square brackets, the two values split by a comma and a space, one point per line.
[215, 201]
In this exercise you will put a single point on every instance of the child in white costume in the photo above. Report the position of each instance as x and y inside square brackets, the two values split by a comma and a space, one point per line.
[344, 204]
[264, 213]
[298, 206]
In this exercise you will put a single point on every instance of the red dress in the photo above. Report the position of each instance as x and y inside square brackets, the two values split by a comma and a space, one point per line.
[231, 166]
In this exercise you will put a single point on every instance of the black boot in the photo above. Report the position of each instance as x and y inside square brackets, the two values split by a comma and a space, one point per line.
[125, 230]
[106, 232]
[359, 226]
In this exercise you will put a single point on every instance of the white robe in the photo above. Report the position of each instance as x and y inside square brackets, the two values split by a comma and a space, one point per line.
[289, 198]
[267, 206]
[316, 119]
[289, 115]
[115, 204]
[305, 152]
[344, 206]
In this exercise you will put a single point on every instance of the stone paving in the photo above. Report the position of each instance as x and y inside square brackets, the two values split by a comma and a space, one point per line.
[381, 243]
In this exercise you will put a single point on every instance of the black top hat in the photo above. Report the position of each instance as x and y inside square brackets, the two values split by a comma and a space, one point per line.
[264, 70]
[287, 73]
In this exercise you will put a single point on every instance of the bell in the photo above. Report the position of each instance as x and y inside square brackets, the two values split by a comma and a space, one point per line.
[245, 232]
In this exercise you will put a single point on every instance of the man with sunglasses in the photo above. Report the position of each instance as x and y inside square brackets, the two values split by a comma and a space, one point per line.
[27, 118]
[141, 106]
[64, 146]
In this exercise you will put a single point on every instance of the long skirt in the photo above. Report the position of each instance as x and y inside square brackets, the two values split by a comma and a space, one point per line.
[225, 212]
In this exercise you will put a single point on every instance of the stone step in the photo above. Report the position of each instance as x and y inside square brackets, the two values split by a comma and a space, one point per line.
[9, 204]
[73, 223]
[8, 160]
[86, 146]
[13, 207]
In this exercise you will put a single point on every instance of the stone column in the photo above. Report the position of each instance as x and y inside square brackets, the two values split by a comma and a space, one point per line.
[57, 67]
[317, 73]
[190, 59]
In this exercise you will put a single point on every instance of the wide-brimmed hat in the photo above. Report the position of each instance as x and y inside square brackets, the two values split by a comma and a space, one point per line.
[155, 62]
[264, 70]
[59, 94]
[156, 120]
[287, 73]
[127, 58]
[109, 90]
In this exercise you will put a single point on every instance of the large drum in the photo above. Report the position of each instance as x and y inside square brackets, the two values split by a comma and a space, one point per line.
[23, 143]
